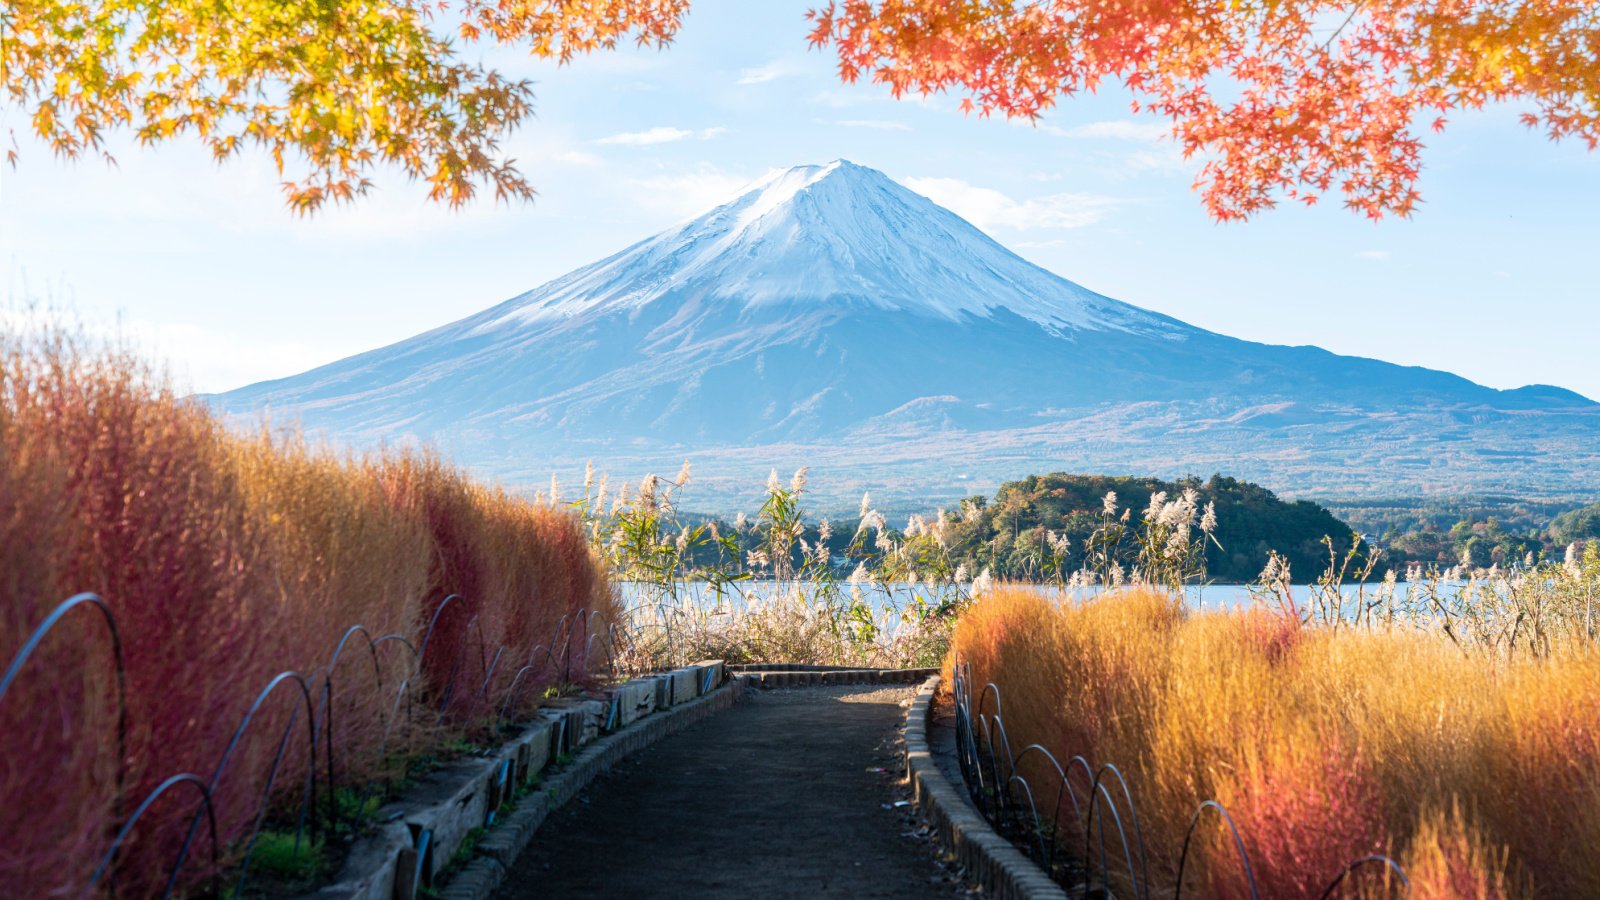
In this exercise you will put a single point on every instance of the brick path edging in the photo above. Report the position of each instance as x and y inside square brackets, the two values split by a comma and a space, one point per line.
[989, 859]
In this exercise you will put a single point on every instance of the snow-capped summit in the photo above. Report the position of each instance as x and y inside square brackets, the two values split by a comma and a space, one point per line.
[838, 234]
[827, 313]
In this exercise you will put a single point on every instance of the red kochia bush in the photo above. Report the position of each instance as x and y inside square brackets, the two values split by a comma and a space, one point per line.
[228, 559]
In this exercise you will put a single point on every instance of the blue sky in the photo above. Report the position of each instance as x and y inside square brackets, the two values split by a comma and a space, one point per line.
[1493, 278]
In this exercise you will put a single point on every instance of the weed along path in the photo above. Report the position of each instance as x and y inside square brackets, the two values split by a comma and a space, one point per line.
[789, 794]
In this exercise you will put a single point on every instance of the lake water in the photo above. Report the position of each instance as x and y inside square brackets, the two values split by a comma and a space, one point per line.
[897, 596]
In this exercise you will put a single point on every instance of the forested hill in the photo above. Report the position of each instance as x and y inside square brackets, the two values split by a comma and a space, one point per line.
[1007, 533]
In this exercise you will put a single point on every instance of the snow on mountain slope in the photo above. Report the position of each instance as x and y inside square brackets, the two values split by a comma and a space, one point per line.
[826, 235]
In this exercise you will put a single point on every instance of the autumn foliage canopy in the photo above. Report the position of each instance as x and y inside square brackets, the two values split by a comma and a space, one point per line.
[346, 85]
[1293, 98]
[1279, 98]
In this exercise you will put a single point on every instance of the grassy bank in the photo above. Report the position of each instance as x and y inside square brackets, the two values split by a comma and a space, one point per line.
[227, 560]
[1477, 771]
[770, 587]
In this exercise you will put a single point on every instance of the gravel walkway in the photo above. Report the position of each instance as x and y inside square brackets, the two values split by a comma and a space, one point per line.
[789, 794]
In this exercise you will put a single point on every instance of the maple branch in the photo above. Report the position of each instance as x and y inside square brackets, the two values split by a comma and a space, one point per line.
[1343, 25]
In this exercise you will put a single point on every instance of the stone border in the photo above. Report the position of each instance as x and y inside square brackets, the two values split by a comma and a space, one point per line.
[809, 667]
[807, 676]
[463, 803]
[501, 846]
[992, 861]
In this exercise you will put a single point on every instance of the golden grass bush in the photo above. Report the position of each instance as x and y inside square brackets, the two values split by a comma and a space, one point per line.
[1478, 772]
[227, 559]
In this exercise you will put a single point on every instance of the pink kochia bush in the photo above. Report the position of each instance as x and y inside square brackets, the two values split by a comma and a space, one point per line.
[1308, 809]
[1478, 773]
[227, 560]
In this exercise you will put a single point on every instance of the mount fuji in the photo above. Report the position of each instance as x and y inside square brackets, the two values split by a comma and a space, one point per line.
[829, 316]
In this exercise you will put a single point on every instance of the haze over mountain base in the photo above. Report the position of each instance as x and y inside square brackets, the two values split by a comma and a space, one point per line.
[1359, 456]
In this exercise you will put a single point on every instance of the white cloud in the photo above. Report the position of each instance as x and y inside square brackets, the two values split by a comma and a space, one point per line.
[209, 360]
[661, 135]
[1110, 130]
[688, 193]
[1118, 130]
[198, 358]
[570, 158]
[988, 208]
[879, 124]
[1168, 158]
[868, 95]
[548, 146]
[1377, 255]
[841, 99]
[1161, 155]
[772, 71]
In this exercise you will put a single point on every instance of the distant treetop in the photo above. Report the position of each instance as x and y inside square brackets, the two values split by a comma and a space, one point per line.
[1577, 525]
[1008, 533]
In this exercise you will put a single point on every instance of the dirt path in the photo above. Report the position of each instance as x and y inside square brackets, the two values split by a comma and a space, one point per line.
[787, 795]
